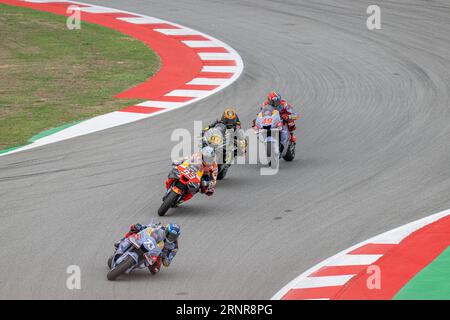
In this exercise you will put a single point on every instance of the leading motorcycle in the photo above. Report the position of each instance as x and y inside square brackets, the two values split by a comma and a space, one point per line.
[268, 126]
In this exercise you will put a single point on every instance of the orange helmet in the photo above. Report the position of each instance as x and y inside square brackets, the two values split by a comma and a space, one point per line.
[229, 118]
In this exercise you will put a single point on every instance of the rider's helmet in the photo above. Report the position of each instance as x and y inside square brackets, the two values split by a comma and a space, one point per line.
[229, 118]
[274, 99]
[208, 156]
[172, 232]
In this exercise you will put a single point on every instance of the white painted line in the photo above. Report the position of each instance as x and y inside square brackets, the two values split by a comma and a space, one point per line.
[208, 81]
[98, 9]
[160, 104]
[141, 20]
[216, 56]
[202, 44]
[396, 236]
[188, 93]
[355, 260]
[177, 32]
[106, 121]
[219, 69]
[317, 282]
[45, 1]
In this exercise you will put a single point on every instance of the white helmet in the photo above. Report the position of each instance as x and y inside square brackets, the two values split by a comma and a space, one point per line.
[208, 156]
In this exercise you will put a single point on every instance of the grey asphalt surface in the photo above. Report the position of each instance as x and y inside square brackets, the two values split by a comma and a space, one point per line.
[373, 153]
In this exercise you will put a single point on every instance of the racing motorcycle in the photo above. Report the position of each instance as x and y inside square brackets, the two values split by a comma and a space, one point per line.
[185, 181]
[224, 144]
[138, 251]
[268, 126]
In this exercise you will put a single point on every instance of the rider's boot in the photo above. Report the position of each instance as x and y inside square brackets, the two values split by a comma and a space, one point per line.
[293, 138]
[154, 269]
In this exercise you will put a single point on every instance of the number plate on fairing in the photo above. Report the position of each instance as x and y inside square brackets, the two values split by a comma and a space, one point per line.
[150, 244]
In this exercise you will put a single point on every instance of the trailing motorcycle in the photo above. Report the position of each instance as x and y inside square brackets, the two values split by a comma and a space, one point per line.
[138, 251]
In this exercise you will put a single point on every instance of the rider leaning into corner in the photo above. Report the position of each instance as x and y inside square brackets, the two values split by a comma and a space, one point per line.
[287, 113]
[205, 161]
[167, 234]
[231, 121]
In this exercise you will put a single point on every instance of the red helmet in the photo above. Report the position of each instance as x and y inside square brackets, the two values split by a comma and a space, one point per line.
[274, 99]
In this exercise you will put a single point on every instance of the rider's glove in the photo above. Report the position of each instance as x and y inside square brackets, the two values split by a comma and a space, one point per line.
[285, 116]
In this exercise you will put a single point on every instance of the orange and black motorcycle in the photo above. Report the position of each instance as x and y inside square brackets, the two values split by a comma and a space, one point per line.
[184, 180]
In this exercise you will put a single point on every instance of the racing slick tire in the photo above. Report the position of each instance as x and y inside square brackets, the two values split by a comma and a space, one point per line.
[222, 171]
[290, 154]
[167, 203]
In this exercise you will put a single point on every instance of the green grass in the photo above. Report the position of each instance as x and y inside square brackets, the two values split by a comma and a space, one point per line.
[51, 76]
[431, 283]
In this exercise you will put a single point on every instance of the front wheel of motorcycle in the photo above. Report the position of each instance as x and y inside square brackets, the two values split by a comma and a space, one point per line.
[222, 168]
[123, 266]
[167, 203]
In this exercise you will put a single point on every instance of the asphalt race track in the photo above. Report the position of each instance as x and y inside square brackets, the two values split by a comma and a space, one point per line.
[373, 153]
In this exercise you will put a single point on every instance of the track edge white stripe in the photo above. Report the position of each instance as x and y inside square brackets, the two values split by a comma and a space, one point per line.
[414, 226]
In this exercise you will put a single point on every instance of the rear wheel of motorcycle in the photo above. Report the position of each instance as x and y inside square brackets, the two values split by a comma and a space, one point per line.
[167, 203]
[222, 171]
[126, 264]
[290, 154]
[269, 151]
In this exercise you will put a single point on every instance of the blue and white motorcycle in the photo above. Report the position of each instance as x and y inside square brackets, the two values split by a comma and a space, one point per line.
[138, 251]
[268, 127]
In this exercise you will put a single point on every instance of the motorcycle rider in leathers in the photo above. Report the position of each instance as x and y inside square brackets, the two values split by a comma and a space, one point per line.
[168, 234]
[287, 113]
[231, 121]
